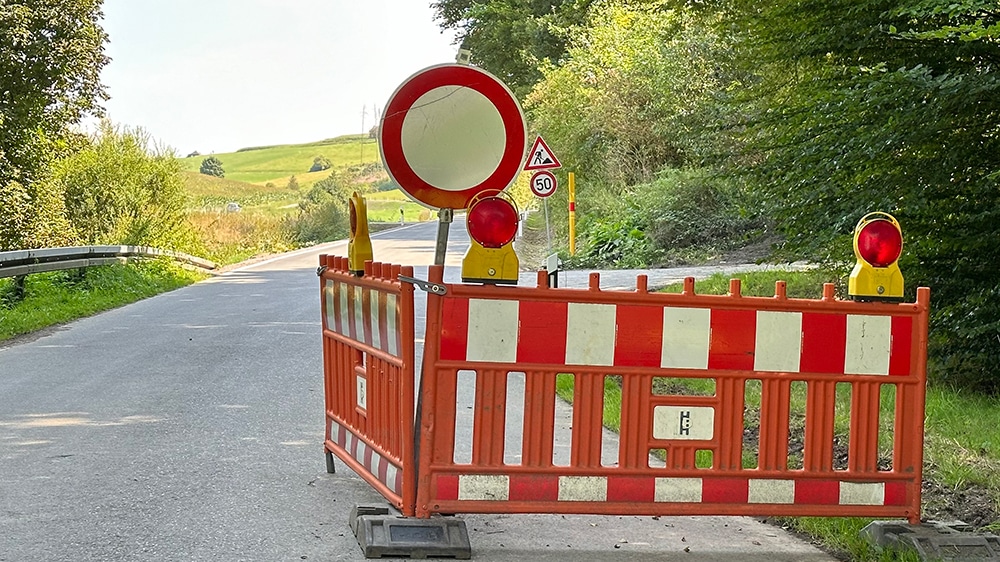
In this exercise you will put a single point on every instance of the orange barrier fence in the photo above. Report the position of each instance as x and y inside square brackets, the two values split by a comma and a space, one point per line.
[368, 373]
[739, 447]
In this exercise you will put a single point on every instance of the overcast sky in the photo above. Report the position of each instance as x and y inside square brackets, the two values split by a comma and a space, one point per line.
[218, 75]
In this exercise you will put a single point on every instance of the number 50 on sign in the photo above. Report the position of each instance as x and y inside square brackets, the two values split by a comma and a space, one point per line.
[543, 183]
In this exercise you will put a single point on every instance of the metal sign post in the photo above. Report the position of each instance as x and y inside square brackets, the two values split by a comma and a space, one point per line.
[445, 218]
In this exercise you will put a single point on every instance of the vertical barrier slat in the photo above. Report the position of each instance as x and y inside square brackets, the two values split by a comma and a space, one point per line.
[821, 398]
[539, 411]
[863, 450]
[490, 415]
[774, 410]
[634, 449]
[588, 411]
[680, 457]
[730, 423]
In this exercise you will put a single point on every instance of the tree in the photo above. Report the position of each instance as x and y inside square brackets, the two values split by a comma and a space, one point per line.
[212, 166]
[618, 109]
[511, 38]
[293, 184]
[51, 55]
[891, 105]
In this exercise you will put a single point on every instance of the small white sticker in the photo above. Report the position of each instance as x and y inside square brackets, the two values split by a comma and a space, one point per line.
[688, 423]
[362, 393]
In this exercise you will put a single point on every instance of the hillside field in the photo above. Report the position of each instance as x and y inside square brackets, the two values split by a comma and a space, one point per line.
[257, 179]
[276, 164]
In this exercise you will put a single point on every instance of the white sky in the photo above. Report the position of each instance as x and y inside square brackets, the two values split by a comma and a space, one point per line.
[218, 75]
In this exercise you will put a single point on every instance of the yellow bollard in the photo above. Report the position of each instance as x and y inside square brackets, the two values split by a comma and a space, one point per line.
[572, 214]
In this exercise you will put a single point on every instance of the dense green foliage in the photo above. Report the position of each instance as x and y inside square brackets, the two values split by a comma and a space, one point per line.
[212, 166]
[119, 190]
[891, 106]
[697, 124]
[323, 210]
[510, 38]
[51, 57]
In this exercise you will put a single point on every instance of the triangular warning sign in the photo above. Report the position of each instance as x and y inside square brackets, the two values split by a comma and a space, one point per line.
[540, 157]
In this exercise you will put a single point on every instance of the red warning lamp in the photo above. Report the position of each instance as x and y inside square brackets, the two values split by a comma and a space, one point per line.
[880, 243]
[492, 222]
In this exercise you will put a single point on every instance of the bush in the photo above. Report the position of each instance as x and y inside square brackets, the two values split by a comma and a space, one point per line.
[118, 190]
[323, 211]
[212, 166]
[694, 208]
[320, 163]
[33, 217]
[681, 212]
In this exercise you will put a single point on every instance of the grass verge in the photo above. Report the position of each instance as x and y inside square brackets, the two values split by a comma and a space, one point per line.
[61, 296]
[961, 446]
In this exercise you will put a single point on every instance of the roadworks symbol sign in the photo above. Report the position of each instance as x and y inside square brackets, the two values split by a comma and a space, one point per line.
[540, 157]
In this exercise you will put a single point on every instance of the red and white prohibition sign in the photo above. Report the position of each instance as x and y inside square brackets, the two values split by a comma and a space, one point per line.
[450, 132]
[543, 183]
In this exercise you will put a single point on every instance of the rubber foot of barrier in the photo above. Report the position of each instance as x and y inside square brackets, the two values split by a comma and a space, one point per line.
[935, 540]
[381, 534]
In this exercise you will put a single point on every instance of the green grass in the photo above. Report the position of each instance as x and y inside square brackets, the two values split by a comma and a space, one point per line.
[962, 443]
[61, 296]
[279, 162]
[799, 284]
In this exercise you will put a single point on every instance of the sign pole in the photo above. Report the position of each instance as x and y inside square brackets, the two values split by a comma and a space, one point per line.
[548, 230]
[445, 216]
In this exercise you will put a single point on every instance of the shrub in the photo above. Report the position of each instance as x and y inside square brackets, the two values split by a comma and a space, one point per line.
[320, 163]
[119, 190]
[212, 166]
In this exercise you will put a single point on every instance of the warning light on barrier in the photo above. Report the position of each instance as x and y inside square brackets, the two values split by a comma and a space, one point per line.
[359, 247]
[492, 221]
[878, 243]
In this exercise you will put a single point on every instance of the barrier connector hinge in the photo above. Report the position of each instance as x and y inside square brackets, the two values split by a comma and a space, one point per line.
[436, 288]
[321, 270]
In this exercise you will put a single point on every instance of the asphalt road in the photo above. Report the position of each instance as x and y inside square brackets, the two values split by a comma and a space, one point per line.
[189, 427]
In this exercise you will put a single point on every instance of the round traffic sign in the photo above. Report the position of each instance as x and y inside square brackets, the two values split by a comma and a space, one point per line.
[450, 132]
[543, 183]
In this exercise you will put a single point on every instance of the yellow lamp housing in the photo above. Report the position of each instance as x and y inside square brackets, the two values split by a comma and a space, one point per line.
[490, 265]
[878, 243]
[492, 221]
[359, 247]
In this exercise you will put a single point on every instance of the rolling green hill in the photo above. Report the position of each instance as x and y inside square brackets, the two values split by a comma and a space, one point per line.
[276, 164]
[257, 178]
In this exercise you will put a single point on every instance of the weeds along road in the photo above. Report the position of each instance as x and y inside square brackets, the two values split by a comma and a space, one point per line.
[189, 427]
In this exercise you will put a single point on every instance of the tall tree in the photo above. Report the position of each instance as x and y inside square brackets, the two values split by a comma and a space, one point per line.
[891, 105]
[51, 55]
[511, 38]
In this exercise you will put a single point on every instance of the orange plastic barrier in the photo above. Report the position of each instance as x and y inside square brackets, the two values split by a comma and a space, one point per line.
[368, 372]
[794, 347]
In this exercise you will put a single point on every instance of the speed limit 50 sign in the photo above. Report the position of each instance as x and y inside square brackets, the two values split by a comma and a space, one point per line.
[543, 183]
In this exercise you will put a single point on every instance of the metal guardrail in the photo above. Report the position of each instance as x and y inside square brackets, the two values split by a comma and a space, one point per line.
[25, 262]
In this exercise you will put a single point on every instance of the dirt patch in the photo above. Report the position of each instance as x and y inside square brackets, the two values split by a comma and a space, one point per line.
[34, 336]
[970, 503]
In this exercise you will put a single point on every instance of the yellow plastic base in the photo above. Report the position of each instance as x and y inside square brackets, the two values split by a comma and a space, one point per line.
[868, 283]
[490, 265]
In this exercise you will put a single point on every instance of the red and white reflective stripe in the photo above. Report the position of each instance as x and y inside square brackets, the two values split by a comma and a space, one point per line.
[644, 489]
[561, 333]
[364, 315]
[380, 467]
